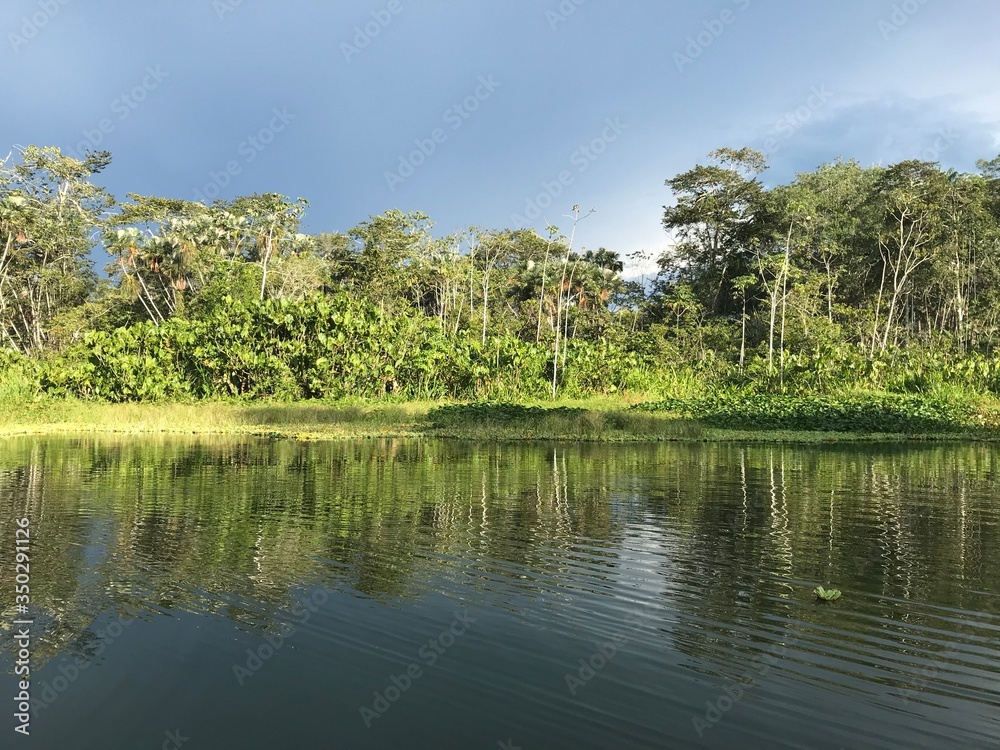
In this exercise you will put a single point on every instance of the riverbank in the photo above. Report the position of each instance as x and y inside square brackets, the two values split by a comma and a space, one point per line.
[611, 420]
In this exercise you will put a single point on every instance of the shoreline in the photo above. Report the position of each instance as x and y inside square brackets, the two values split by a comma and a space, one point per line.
[598, 420]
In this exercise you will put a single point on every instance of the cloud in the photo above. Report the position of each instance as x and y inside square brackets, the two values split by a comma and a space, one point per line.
[886, 129]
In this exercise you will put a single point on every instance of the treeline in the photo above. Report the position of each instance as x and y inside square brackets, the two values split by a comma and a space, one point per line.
[879, 278]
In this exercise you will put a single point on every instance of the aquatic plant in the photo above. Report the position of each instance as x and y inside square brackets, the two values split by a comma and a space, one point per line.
[827, 595]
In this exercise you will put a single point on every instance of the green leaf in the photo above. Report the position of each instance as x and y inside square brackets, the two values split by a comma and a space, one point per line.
[827, 595]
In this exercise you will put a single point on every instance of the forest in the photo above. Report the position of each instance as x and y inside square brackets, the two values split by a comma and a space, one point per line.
[848, 279]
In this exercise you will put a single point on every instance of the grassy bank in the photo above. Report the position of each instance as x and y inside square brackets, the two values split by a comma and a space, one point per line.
[297, 420]
[731, 418]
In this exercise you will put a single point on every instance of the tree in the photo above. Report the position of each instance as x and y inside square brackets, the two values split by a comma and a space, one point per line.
[384, 250]
[715, 220]
[164, 248]
[910, 195]
[49, 213]
[272, 225]
[167, 250]
[563, 297]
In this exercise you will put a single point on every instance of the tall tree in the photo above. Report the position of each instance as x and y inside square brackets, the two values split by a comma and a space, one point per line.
[384, 250]
[715, 221]
[49, 215]
[910, 195]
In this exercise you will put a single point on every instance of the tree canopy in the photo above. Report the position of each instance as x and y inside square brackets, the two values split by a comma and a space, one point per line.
[831, 280]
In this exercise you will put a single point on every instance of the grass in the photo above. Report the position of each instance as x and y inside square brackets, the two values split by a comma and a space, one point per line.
[299, 420]
[603, 419]
[564, 422]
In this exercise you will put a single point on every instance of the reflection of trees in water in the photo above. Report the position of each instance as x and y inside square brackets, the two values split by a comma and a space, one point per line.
[896, 528]
[238, 527]
[59, 592]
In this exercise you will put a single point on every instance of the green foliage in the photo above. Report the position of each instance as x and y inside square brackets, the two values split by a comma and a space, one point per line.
[231, 281]
[319, 347]
[847, 279]
[128, 364]
[48, 209]
[601, 367]
[826, 595]
[19, 382]
[885, 413]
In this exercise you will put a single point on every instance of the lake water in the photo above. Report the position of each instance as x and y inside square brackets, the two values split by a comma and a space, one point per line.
[420, 594]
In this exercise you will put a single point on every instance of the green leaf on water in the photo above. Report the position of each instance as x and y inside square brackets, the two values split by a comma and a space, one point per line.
[827, 595]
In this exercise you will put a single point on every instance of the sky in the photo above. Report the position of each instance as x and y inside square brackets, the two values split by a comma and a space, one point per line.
[493, 113]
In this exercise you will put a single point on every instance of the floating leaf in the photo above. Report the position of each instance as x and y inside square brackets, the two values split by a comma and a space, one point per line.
[827, 595]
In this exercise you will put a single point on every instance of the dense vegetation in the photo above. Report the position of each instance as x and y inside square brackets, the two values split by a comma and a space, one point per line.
[885, 413]
[847, 279]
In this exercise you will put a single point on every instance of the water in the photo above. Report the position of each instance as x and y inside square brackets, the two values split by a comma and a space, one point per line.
[423, 594]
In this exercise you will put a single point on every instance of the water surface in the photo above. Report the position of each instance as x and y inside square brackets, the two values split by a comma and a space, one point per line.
[419, 594]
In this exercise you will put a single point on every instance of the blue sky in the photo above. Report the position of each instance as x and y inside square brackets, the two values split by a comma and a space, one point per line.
[493, 113]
